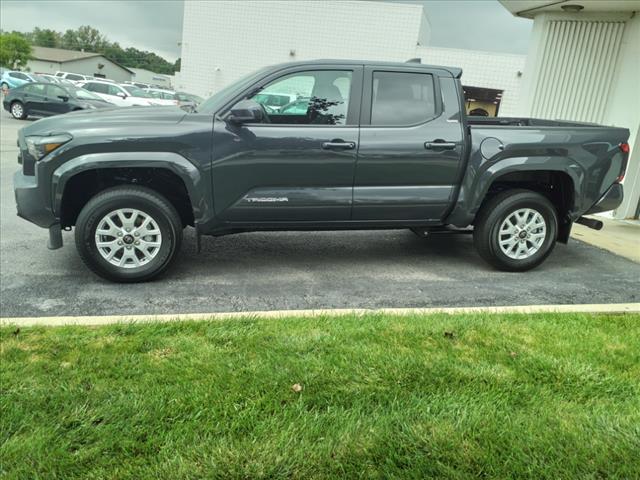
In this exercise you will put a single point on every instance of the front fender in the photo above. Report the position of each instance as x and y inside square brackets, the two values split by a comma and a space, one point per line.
[198, 189]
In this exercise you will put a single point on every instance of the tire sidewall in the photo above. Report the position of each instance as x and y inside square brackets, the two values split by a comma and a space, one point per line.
[86, 230]
[550, 217]
[23, 110]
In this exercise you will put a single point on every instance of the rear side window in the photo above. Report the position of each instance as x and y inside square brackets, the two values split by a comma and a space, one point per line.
[402, 98]
[35, 89]
[97, 87]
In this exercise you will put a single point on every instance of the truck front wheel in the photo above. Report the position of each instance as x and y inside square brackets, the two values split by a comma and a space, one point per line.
[128, 234]
[516, 230]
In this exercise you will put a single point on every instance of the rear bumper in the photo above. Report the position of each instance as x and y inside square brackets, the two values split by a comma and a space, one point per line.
[611, 200]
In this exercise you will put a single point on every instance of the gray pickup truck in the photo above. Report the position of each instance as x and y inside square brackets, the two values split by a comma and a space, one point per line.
[360, 145]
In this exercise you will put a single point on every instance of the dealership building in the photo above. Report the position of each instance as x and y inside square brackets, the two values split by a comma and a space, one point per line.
[583, 63]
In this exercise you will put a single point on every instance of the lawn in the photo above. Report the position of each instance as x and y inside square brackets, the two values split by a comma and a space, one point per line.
[471, 396]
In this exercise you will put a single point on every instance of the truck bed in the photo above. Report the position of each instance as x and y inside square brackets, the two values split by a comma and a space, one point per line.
[525, 122]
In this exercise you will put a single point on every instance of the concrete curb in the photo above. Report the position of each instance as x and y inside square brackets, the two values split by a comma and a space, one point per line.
[110, 319]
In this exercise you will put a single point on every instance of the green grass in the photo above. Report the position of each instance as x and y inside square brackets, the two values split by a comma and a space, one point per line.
[497, 396]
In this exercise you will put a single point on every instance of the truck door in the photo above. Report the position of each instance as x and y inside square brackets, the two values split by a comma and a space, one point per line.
[411, 144]
[297, 165]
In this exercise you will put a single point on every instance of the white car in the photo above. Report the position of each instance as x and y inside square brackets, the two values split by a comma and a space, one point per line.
[115, 94]
[76, 78]
[163, 97]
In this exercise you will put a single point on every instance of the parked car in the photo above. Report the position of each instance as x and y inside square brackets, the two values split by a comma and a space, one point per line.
[274, 101]
[138, 84]
[188, 101]
[12, 79]
[162, 96]
[134, 91]
[73, 77]
[404, 155]
[44, 99]
[115, 94]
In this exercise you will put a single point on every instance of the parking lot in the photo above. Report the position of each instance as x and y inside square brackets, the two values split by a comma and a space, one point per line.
[293, 270]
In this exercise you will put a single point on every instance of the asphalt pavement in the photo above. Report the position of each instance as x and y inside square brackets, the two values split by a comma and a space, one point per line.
[292, 270]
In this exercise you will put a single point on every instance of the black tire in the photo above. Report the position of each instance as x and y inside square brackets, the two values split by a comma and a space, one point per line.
[145, 200]
[493, 213]
[22, 109]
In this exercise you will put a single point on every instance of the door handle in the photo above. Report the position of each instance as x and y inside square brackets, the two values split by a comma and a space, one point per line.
[339, 144]
[440, 145]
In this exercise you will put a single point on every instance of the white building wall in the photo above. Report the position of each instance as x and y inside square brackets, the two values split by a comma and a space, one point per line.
[499, 71]
[586, 67]
[224, 40]
[41, 66]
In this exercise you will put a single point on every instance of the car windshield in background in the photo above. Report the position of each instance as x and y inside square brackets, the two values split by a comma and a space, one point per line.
[136, 92]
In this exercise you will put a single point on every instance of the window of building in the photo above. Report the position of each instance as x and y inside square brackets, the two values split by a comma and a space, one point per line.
[319, 97]
[402, 98]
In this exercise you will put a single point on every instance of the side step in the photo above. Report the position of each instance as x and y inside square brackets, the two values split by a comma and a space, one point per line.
[590, 222]
[447, 229]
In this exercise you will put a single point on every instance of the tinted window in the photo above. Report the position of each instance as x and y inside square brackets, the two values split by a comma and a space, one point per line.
[19, 75]
[73, 76]
[97, 87]
[322, 98]
[402, 98]
[53, 91]
[113, 90]
[35, 89]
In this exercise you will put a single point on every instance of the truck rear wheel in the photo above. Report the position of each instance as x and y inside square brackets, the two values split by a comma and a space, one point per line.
[516, 230]
[128, 234]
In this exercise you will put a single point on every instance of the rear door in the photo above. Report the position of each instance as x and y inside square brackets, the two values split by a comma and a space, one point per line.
[296, 166]
[411, 145]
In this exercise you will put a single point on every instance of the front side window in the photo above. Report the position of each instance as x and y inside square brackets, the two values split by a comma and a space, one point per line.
[53, 91]
[318, 97]
[113, 90]
[402, 98]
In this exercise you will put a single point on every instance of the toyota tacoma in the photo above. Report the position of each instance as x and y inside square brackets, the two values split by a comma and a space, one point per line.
[360, 145]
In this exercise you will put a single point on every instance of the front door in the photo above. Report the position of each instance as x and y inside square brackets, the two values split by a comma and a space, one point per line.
[56, 103]
[411, 145]
[298, 164]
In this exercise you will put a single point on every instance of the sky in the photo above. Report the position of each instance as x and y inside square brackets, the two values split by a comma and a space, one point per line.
[156, 25]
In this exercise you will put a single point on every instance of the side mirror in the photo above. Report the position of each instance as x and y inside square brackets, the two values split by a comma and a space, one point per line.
[121, 95]
[64, 98]
[246, 111]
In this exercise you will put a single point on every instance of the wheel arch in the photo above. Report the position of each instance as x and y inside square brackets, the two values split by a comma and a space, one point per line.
[562, 174]
[76, 181]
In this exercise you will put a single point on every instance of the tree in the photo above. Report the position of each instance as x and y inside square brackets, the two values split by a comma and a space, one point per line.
[177, 65]
[15, 51]
[44, 37]
[85, 38]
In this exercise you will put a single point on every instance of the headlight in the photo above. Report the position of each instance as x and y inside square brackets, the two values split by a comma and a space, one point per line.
[40, 146]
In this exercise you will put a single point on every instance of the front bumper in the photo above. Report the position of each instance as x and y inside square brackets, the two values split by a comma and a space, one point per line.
[32, 206]
[30, 202]
[611, 200]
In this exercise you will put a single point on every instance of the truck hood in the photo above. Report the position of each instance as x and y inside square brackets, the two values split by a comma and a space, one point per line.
[105, 117]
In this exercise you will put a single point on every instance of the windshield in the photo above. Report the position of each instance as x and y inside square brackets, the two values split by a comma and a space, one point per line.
[217, 100]
[136, 92]
[82, 94]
